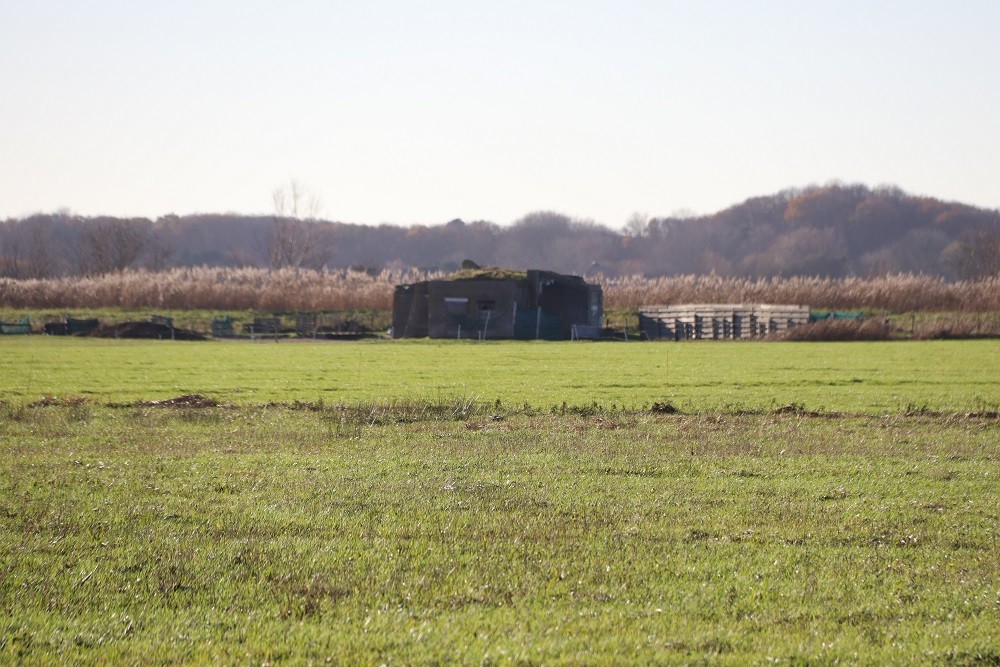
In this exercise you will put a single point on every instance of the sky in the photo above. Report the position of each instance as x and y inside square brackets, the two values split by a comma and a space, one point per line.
[424, 111]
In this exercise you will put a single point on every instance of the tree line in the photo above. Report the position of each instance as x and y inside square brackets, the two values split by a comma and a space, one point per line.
[834, 231]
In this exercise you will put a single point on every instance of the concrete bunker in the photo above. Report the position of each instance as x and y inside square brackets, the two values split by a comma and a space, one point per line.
[493, 303]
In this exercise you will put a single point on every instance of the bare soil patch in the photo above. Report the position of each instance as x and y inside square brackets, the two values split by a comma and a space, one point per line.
[185, 401]
[146, 330]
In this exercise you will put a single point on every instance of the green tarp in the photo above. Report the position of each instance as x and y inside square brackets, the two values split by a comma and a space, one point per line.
[529, 325]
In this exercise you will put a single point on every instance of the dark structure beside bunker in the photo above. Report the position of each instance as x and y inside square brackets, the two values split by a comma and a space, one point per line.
[488, 304]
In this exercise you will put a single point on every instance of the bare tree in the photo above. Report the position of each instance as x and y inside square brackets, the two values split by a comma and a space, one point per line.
[11, 259]
[40, 257]
[296, 239]
[978, 254]
[110, 246]
[28, 249]
[636, 225]
[159, 249]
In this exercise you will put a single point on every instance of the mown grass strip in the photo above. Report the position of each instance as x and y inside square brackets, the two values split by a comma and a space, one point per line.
[946, 376]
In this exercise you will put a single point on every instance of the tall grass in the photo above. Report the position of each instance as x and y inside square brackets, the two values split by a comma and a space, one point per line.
[212, 288]
[297, 290]
[899, 293]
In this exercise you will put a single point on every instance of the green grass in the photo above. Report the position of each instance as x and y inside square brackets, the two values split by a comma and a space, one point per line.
[195, 320]
[373, 503]
[951, 376]
[264, 534]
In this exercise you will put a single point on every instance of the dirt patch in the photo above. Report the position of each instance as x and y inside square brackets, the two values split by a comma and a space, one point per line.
[185, 401]
[146, 330]
[795, 409]
[989, 414]
[47, 401]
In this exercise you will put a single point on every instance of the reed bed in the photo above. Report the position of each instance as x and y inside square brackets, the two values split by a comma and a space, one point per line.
[897, 293]
[212, 288]
[328, 290]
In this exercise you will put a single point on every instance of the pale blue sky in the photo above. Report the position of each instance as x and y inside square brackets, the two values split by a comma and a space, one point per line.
[420, 112]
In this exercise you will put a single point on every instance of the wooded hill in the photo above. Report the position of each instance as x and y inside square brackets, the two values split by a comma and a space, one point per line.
[835, 230]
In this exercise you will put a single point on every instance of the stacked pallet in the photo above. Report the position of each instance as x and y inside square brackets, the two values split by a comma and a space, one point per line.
[719, 321]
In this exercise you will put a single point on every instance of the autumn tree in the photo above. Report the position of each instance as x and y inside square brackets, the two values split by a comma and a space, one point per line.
[549, 240]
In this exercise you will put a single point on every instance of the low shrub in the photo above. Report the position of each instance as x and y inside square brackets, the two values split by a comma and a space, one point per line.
[836, 330]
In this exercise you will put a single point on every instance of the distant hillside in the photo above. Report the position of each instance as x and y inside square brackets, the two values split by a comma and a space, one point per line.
[836, 230]
[832, 231]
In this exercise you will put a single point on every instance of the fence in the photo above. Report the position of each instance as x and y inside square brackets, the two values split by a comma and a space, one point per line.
[22, 327]
[222, 327]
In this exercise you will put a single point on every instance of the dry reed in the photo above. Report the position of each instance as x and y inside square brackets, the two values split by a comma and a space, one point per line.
[212, 289]
[291, 290]
[837, 330]
[897, 293]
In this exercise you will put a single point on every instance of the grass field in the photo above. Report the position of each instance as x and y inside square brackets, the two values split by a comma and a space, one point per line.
[408, 518]
[953, 376]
